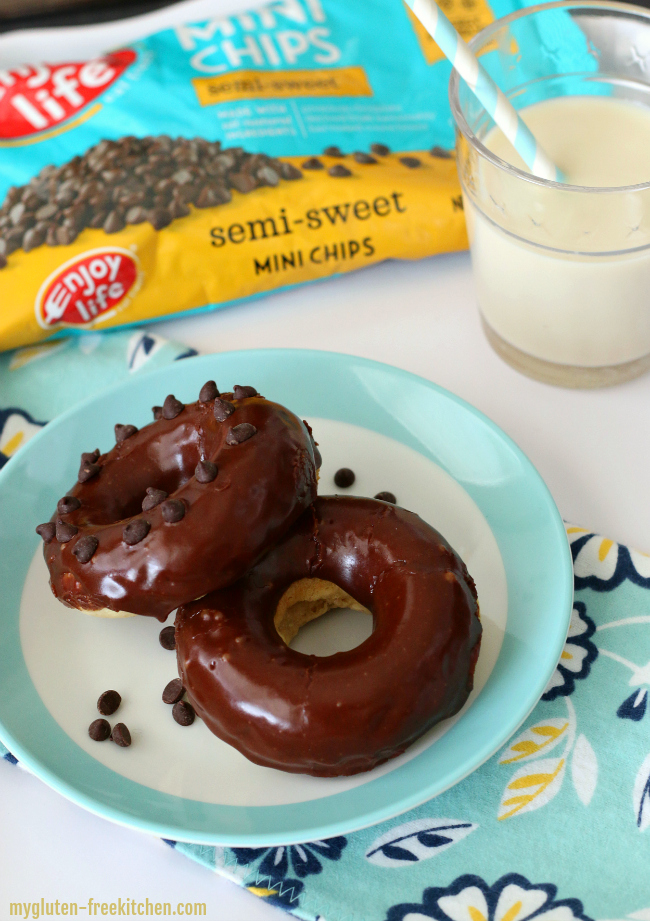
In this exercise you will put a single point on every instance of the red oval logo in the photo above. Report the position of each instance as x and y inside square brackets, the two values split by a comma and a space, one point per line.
[86, 288]
[36, 98]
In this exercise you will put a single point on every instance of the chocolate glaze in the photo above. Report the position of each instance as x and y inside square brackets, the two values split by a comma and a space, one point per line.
[262, 486]
[348, 712]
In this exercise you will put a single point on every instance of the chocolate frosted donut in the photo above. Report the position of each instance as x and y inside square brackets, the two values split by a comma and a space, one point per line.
[351, 711]
[181, 507]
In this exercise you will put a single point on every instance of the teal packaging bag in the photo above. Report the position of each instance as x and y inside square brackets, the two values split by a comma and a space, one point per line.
[223, 159]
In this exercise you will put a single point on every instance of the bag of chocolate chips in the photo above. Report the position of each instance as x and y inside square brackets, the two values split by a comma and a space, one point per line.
[224, 159]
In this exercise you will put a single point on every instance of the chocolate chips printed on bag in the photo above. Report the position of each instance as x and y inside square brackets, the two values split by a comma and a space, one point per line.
[223, 159]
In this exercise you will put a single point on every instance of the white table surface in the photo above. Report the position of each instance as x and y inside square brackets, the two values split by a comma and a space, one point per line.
[591, 447]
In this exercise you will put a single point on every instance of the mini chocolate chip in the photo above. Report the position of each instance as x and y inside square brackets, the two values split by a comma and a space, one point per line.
[136, 215]
[99, 730]
[153, 498]
[344, 477]
[317, 457]
[47, 531]
[135, 531]
[289, 171]
[122, 432]
[380, 149]
[222, 409]
[89, 457]
[85, 548]
[240, 392]
[173, 691]
[243, 182]
[313, 163]
[87, 472]
[206, 471]
[441, 153]
[209, 391]
[386, 497]
[167, 638]
[333, 151]
[339, 171]
[65, 531]
[114, 222]
[67, 504]
[183, 713]
[157, 412]
[178, 208]
[173, 510]
[240, 433]
[108, 702]
[362, 157]
[160, 217]
[411, 162]
[172, 407]
[121, 735]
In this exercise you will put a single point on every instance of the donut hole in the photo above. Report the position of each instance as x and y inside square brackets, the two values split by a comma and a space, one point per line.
[333, 620]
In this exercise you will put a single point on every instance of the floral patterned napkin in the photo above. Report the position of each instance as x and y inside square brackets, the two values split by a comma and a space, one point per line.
[554, 827]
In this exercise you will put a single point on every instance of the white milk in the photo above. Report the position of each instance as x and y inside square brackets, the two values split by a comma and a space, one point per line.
[581, 295]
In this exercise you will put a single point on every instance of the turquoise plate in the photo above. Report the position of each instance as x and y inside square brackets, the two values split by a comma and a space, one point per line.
[440, 456]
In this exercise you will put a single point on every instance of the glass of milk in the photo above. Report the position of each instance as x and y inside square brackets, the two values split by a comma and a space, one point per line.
[562, 270]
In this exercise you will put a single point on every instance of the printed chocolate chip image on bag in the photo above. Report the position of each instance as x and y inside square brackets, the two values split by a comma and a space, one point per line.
[223, 159]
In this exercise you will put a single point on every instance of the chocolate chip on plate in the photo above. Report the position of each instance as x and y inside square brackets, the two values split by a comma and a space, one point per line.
[441, 153]
[67, 504]
[240, 392]
[153, 498]
[65, 531]
[167, 638]
[135, 531]
[313, 163]
[47, 531]
[344, 477]
[222, 409]
[382, 150]
[85, 548]
[209, 391]
[173, 691]
[172, 407]
[122, 432]
[173, 510]
[362, 157]
[339, 171]
[240, 433]
[333, 151]
[410, 162]
[108, 702]
[205, 471]
[386, 496]
[183, 713]
[99, 730]
[121, 735]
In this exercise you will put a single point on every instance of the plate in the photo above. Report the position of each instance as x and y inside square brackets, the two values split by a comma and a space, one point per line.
[442, 459]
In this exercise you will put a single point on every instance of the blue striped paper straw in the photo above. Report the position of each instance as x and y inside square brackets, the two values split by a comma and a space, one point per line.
[485, 89]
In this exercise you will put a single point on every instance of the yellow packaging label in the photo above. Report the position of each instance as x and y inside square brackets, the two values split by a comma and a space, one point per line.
[468, 17]
[256, 84]
[299, 231]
